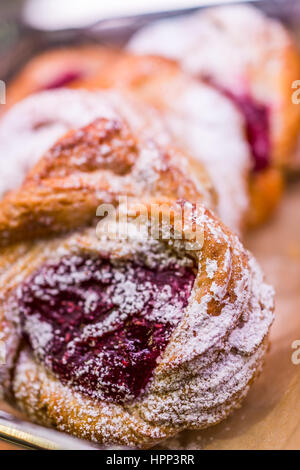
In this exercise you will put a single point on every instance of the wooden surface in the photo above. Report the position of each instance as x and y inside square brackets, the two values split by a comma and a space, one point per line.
[270, 416]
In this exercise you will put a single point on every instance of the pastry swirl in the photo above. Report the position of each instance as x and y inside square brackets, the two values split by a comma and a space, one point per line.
[125, 341]
[225, 99]
[253, 60]
[185, 107]
[211, 341]
[247, 55]
[125, 151]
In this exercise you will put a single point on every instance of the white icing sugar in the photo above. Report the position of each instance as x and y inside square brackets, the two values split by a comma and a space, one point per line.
[210, 360]
[33, 125]
[40, 333]
[224, 42]
[230, 45]
[211, 267]
[212, 130]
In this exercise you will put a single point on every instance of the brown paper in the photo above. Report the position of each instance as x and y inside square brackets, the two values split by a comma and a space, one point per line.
[270, 417]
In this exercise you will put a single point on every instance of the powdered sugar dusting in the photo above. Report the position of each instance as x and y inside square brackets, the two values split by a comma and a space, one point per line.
[212, 354]
[32, 126]
[41, 333]
[101, 325]
[215, 45]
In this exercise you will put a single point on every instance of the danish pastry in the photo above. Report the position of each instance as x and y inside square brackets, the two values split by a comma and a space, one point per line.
[255, 75]
[246, 55]
[187, 108]
[127, 338]
[252, 60]
[129, 341]
[33, 125]
[98, 163]
[58, 68]
[218, 139]
[104, 157]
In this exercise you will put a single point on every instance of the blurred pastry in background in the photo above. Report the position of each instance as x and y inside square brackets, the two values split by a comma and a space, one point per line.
[252, 59]
[214, 82]
[187, 107]
[124, 340]
[207, 122]
[249, 57]
[58, 68]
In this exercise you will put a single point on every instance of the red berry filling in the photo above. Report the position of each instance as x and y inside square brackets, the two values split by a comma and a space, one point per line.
[257, 122]
[256, 117]
[101, 326]
[64, 79]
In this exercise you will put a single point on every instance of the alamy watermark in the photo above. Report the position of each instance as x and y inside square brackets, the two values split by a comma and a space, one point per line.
[156, 221]
[2, 92]
[2, 353]
[296, 93]
[296, 353]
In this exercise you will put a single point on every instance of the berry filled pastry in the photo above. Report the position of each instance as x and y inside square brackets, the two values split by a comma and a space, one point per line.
[207, 123]
[249, 57]
[128, 341]
[32, 126]
[117, 154]
[58, 68]
[188, 107]
[252, 60]
[184, 115]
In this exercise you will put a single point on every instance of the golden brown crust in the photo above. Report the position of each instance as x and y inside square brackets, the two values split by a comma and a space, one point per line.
[102, 63]
[209, 362]
[153, 79]
[266, 190]
[64, 190]
[48, 67]
[218, 345]
[45, 400]
[285, 140]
